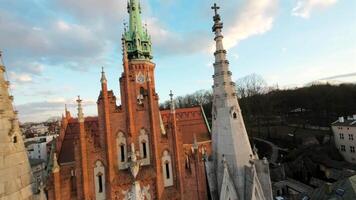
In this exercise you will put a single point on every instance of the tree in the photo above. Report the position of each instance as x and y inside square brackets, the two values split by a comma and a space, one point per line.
[250, 85]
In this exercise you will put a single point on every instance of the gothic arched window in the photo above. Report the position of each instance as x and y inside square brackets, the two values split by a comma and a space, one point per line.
[99, 178]
[167, 169]
[121, 150]
[144, 147]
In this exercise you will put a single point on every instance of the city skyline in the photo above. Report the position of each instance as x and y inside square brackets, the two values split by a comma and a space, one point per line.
[55, 51]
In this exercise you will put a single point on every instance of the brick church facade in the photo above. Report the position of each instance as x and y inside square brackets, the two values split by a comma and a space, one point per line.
[133, 150]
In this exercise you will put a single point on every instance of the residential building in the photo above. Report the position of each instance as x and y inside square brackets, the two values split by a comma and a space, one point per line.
[344, 130]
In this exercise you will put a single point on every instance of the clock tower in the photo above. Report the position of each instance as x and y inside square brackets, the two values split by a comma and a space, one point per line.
[131, 150]
[135, 129]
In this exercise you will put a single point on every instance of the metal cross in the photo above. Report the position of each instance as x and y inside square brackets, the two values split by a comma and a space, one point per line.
[171, 95]
[215, 8]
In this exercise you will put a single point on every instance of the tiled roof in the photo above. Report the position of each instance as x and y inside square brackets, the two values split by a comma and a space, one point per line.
[72, 132]
[190, 122]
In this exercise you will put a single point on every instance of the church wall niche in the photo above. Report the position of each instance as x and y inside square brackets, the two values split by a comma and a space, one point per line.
[167, 169]
[121, 150]
[99, 180]
[144, 147]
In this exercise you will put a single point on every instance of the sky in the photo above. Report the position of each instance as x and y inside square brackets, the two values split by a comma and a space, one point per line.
[54, 49]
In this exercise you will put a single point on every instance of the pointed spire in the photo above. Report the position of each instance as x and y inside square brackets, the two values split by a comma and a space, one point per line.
[80, 110]
[136, 38]
[103, 77]
[66, 112]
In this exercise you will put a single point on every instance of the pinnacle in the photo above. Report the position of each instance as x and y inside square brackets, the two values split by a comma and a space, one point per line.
[103, 77]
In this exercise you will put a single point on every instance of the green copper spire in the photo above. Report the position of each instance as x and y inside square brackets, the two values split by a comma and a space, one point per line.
[137, 41]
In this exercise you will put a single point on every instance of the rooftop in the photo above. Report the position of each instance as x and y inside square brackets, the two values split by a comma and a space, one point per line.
[345, 121]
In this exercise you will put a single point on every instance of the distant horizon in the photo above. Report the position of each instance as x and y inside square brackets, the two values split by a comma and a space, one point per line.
[55, 50]
[91, 106]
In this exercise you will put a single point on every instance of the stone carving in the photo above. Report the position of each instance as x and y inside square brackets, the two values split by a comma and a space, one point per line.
[135, 193]
[134, 163]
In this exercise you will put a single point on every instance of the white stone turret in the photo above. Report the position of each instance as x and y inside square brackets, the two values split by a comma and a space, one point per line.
[232, 151]
[15, 170]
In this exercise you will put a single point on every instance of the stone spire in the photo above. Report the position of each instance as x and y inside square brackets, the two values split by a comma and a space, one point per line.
[231, 146]
[137, 40]
[14, 164]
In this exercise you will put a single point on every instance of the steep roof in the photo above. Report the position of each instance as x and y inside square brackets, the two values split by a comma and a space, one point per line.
[190, 122]
[66, 153]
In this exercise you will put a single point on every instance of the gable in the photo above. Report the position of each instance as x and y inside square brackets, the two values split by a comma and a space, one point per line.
[228, 190]
[190, 121]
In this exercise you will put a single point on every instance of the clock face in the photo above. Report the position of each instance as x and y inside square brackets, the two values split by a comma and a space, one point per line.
[140, 78]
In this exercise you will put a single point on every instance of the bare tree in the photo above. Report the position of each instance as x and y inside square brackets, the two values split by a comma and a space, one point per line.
[251, 85]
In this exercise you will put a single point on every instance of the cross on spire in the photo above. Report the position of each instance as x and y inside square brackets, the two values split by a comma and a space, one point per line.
[171, 95]
[215, 8]
[79, 100]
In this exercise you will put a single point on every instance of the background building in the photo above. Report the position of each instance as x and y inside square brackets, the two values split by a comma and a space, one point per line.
[38, 147]
[344, 130]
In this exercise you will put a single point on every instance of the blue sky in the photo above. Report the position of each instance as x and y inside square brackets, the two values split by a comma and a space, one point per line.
[54, 49]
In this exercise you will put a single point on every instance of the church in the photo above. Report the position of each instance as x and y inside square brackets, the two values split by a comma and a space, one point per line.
[137, 151]
[133, 150]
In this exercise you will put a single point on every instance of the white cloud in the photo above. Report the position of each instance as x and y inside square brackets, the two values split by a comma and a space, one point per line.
[305, 7]
[63, 25]
[20, 78]
[169, 42]
[43, 110]
[255, 18]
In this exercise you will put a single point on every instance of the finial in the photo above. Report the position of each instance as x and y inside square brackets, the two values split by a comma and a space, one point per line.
[216, 18]
[172, 105]
[79, 100]
[223, 160]
[171, 95]
[65, 108]
[80, 110]
[215, 8]
[125, 24]
[195, 144]
[103, 77]
[255, 150]
[2, 66]
[139, 7]
[55, 167]
[265, 161]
